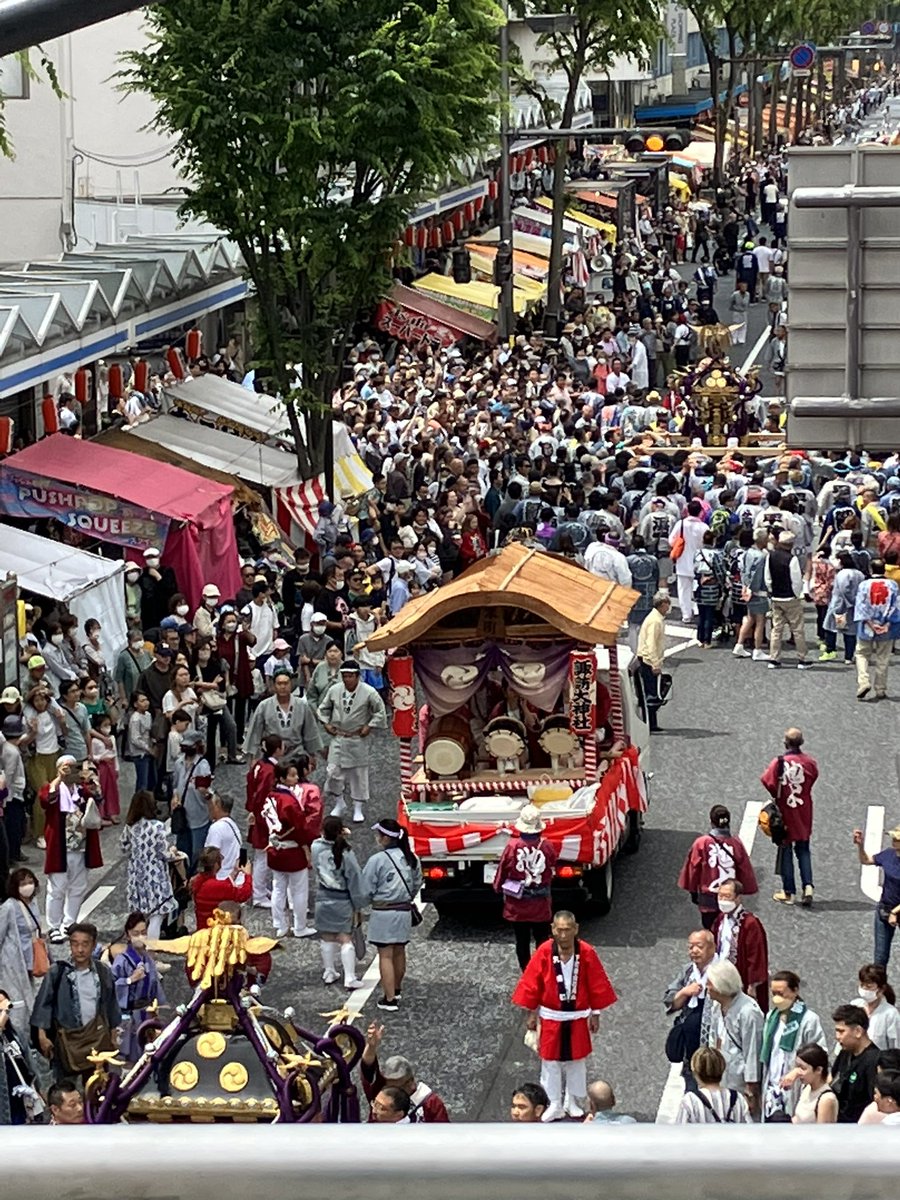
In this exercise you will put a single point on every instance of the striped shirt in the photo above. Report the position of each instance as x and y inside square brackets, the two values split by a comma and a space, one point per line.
[693, 1111]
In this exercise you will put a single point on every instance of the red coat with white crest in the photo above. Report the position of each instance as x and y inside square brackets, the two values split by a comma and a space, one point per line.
[287, 821]
[564, 1020]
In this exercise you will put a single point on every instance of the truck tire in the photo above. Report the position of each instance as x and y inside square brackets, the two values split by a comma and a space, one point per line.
[599, 882]
[634, 831]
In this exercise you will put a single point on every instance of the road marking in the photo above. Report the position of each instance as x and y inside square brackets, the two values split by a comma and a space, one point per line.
[360, 997]
[873, 843]
[94, 900]
[678, 649]
[680, 631]
[760, 342]
[750, 823]
[671, 1097]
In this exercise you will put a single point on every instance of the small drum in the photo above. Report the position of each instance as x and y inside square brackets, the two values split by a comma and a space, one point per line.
[505, 737]
[448, 747]
[556, 739]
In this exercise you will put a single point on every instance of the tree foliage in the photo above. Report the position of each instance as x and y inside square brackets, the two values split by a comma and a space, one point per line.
[585, 42]
[308, 132]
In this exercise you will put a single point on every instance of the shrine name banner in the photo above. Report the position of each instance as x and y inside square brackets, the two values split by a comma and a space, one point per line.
[103, 517]
[582, 693]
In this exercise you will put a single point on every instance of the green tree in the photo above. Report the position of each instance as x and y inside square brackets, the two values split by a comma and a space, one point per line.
[583, 38]
[307, 133]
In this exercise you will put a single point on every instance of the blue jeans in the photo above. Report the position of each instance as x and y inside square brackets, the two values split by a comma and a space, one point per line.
[191, 843]
[706, 622]
[884, 935]
[801, 849]
[145, 772]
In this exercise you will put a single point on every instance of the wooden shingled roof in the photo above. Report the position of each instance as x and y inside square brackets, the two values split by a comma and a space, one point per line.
[550, 587]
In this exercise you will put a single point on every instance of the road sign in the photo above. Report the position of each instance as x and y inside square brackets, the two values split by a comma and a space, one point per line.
[884, 27]
[867, 28]
[802, 57]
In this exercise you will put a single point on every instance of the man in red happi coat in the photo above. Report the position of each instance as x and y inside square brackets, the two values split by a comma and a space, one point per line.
[564, 988]
[789, 780]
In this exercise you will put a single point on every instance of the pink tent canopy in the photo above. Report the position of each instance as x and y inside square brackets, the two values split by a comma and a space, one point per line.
[120, 497]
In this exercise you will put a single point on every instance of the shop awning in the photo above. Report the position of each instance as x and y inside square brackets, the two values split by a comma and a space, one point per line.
[89, 585]
[583, 218]
[538, 246]
[411, 317]
[530, 265]
[119, 497]
[598, 198]
[229, 407]
[265, 466]
[479, 298]
[296, 506]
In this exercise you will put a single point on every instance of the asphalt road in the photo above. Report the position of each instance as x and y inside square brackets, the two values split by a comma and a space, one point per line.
[720, 729]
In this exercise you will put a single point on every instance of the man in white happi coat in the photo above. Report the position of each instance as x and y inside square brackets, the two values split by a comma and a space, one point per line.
[350, 710]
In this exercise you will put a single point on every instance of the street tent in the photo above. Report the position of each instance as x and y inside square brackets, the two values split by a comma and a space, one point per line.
[480, 298]
[531, 243]
[583, 218]
[229, 406]
[296, 506]
[530, 265]
[118, 497]
[416, 319]
[254, 462]
[90, 586]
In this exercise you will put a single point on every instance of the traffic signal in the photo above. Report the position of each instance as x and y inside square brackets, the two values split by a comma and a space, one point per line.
[462, 265]
[653, 141]
[503, 264]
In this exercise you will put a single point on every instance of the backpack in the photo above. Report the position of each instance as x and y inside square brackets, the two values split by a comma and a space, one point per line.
[732, 1094]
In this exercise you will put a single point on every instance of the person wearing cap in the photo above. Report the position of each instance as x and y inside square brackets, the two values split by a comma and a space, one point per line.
[425, 1105]
[524, 877]
[399, 591]
[564, 988]
[887, 909]
[278, 660]
[157, 586]
[191, 784]
[877, 616]
[288, 715]
[349, 711]
[205, 618]
[71, 849]
[311, 646]
[784, 582]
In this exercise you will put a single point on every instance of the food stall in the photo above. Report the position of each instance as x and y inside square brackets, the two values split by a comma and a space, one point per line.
[506, 690]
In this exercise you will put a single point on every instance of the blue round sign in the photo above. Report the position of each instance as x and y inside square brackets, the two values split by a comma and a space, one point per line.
[867, 28]
[802, 57]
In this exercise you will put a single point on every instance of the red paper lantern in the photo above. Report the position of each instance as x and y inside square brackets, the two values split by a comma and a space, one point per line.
[116, 382]
[7, 429]
[448, 232]
[421, 237]
[141, 375]
[493, 189]
[193, 344]
[542, 154]
[520, 162]
[470, 213]
[409, 235]
[459, 220]
[83, 385]
[403, 696]
[176, 362]
[50, 415]
[529, 158]
[479, 203]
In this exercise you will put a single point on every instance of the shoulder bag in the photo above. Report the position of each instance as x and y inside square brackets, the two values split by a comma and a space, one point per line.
[40, 955]
[416, 915]
[678, 546]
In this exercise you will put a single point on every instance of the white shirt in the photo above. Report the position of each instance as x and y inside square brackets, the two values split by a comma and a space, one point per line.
[226, 837]
[614, 382]
[263, 623]
[763, 256]
[607, 563]
[726, 935]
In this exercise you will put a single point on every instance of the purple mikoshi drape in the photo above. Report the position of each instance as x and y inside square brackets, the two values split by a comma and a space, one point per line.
[451, 677]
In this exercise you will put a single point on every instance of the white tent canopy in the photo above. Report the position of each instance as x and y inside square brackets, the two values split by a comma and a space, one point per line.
[251, 461]
[230, 404]
[89, 585]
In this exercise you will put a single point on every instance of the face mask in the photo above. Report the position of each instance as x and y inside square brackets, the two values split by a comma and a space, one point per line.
[727, 906]
[229, 626]
[782, 1003]
[182, 610]
[153, 563]
[210, 602]
[132, 576]
[138, 942]
[57, 639]
[318, 630]
[868, 994]
[137, 647]
[26, 891]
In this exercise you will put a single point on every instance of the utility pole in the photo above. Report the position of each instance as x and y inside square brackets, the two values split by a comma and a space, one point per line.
[505, 315]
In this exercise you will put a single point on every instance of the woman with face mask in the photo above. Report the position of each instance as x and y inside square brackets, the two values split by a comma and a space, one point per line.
[789, 1025]
[137, 984]
[20, 925]
[105, 757]
[233, 643]
[876, 995]
[130, 664]
[59, 668]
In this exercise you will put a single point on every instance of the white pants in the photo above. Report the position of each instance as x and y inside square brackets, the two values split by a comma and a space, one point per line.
[356, 778]
[685, 585]
[296, 885]
[739, 335]
[565, 1082]
[262, 877]
[154, 927]
[66, 891]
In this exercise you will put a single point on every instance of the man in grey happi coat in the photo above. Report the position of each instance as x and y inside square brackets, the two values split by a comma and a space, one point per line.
[350, 710]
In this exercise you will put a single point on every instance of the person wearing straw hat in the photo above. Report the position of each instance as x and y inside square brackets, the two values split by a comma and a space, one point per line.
[350, 710]
[523, 879]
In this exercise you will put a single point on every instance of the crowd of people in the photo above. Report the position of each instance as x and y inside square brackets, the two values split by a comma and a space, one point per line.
[589, 445]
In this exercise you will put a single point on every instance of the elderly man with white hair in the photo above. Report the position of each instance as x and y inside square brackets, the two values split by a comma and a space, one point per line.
[736, 1031]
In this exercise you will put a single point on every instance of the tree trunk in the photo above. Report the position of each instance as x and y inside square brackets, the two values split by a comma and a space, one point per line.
[789, 107]
[557, 238]
[774, 96]
[759, 115]
[715, 86]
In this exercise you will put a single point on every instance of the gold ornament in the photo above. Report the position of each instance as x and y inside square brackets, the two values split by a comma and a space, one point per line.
[233, 1077]
[211, 1045]
[184, 1076]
